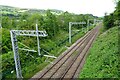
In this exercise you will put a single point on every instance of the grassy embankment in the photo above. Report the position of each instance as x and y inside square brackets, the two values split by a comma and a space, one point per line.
[102, 61]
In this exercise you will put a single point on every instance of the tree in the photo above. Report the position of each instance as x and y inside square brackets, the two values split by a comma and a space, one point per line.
[50, 24]
[109, 21]
[113, 19]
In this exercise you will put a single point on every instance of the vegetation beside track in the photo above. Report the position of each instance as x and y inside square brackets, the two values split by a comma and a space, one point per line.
[103, 58]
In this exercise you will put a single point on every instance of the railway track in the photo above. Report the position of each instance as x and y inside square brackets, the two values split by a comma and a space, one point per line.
[70, 62]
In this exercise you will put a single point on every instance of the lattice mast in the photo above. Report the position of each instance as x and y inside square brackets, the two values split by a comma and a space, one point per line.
[14, 34]
[16, 54]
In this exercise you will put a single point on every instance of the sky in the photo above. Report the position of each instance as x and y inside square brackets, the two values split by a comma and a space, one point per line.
[95, 7]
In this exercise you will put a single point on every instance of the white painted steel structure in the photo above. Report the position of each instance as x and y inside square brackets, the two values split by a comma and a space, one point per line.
[88, 21]
[70, 24]
[14, 34]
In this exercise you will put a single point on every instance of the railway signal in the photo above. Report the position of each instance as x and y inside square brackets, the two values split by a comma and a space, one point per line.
[14, 34]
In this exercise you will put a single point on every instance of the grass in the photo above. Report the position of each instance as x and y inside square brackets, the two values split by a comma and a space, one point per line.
[102, 61]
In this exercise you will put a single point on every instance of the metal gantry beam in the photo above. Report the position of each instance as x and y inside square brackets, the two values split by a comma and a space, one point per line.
[70, 24]
[29, 33]
[77, 22]
[99, 21]
[14, 34]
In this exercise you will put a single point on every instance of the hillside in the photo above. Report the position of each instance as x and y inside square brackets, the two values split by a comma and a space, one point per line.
[102, 61]
[16, 10]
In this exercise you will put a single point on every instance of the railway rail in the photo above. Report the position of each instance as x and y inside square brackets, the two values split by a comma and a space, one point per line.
[68, 64]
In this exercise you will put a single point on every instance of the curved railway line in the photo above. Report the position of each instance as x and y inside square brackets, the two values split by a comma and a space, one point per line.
[68, 64]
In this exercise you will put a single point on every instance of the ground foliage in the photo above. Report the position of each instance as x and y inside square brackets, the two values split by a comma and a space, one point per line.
[103, 58]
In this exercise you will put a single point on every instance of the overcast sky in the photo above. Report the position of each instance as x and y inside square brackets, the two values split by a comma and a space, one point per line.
[95, 7]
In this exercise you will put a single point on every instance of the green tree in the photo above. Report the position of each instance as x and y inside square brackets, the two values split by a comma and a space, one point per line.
[109, 21]
[112, 19]
[50, 24]
[117, 11]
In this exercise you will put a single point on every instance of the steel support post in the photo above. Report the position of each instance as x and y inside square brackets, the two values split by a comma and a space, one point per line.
[94, 21]
[88, 22]
[70, 24]
[38, 42]
[16, 54]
